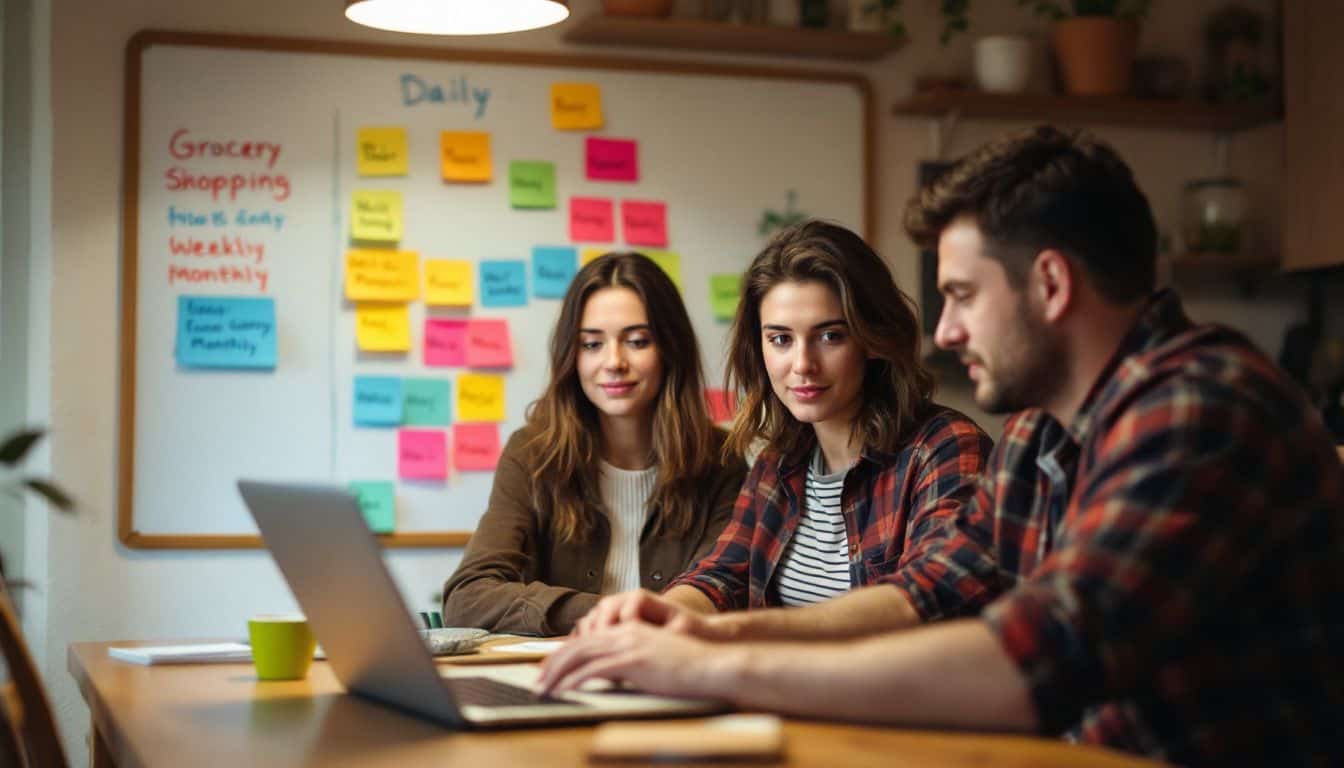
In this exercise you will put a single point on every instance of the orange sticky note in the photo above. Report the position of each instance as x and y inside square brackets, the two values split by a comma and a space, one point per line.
[422, 454]
[722, 405]
[475, 446]
[381, 152]
[466, 156]
[383, 327]
[372, 275]
[480, 397]
[488, 344]
[576, 106]
[449, 283]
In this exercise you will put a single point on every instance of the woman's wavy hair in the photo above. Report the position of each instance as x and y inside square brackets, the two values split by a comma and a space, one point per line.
[881, 317]
[566, 434]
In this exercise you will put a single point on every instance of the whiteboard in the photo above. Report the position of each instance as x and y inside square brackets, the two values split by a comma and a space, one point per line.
[720, 145]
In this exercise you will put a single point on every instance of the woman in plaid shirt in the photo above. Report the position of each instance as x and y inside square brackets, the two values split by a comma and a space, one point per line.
[861, 481]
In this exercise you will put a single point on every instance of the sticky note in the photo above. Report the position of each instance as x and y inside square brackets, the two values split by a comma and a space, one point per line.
[503, 284]
[427, 403]
[465, 156]
[480, 397]
[448, 283]
[445, 342]
[531, 184]
[591, 219]
[377, 401]
[552, 271]
[644, 223]
[588, 254]
[475, 446]
[381, 152]
[612, 159]
[576, 106]
[488, 344]
[724, 293]
[722, 405]
[422, 454]
[383, 327]
[378, 504]
[373, 275]
[225, 332]
[670, 262]
[376, 216]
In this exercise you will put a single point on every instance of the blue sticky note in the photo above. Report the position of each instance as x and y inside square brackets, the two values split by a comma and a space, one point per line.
[552, 269]
[503, 284]
[427, 402]
[225, 332]
[377, 401]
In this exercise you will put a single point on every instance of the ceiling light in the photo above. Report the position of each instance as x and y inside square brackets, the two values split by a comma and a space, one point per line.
[456, 17]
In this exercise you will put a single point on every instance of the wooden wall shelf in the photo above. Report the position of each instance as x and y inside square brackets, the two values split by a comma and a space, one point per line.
[1108, 110]
[725, 37]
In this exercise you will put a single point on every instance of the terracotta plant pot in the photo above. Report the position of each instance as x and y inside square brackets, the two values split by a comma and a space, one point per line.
[637, 7]
[1096, 54]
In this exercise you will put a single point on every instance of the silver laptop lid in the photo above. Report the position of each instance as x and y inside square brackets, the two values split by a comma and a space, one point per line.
[335, 568]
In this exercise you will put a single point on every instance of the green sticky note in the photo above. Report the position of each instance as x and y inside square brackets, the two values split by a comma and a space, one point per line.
[426, 403]
[531, 184]
[724, 292]
[378, 502]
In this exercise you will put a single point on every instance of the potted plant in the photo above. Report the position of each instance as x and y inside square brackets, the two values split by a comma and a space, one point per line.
[877, 15]
[1095, 43]
[12, 451]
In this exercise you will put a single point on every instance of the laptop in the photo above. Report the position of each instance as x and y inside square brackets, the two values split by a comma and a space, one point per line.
[335, 568]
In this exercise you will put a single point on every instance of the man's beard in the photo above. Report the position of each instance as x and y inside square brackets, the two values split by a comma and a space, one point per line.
[1030, 369]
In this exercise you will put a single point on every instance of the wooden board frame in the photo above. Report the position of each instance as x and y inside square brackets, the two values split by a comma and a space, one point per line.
[130, 244]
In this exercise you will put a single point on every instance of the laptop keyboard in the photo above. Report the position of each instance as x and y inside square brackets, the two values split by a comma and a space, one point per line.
[485, 692]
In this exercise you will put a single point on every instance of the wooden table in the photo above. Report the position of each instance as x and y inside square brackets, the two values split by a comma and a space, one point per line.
[220, 714]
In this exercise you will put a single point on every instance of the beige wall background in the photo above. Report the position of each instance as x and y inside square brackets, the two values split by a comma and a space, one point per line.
[92, 588]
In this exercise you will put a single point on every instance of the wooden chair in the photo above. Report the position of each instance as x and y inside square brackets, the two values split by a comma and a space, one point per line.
[27, 729]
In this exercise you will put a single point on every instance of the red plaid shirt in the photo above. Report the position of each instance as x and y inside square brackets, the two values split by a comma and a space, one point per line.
[1178, 555]
[900, 511]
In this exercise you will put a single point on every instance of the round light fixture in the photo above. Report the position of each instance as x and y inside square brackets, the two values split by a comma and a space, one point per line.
[456, 17]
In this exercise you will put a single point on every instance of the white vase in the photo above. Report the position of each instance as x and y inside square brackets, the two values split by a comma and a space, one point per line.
[1003, 63]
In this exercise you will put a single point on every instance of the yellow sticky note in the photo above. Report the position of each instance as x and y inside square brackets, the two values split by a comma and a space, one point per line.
[588, 254]
[465, 156]
[376, 216]
[383, 327]
[576, 106]
[381, 152]
[372, 275]
[480, 397]
[670, 262]
[448, 283]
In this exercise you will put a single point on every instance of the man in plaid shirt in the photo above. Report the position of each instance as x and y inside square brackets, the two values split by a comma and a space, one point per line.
[1168, 511]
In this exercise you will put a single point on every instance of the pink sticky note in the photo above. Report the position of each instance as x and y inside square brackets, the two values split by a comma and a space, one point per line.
[422, 454]
[488, 344]
[475, 446]
[612, 159]
[445, 341]
[591, 220]
[645, 223]
[722, 405]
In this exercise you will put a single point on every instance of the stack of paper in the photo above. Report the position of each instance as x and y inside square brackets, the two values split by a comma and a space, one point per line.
[198, 653]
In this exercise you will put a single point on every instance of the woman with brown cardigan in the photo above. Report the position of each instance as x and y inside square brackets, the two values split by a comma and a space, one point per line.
[616, 480]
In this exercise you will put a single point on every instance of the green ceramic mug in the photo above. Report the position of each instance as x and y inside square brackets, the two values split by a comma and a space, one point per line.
[282, 646]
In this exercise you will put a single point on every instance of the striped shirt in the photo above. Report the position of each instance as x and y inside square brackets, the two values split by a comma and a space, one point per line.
[815, 565]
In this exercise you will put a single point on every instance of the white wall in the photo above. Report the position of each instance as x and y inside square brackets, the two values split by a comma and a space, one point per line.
[95, 589]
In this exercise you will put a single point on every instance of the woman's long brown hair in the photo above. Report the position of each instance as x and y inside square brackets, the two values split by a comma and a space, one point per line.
[567, 435]
[896, 386]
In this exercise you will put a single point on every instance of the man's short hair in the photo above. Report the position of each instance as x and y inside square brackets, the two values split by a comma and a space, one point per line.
[1047, 188]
